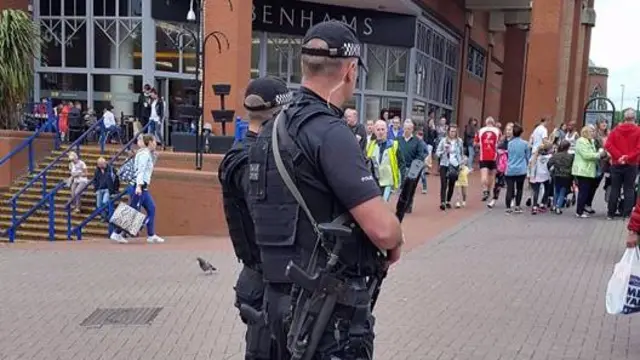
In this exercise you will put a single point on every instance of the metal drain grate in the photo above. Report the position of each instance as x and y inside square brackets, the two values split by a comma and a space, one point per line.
[121, 316]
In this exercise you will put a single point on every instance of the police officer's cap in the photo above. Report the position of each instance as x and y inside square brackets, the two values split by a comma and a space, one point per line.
[266, 93]
[342, 40]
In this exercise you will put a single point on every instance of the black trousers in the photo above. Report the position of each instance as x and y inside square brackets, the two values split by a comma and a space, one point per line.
[623, 178]
[585, 186]
[515, 187]
[446, 185]
[277, 299]
[250, 291]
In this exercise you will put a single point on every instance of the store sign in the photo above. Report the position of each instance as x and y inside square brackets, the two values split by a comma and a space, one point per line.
[296, 17]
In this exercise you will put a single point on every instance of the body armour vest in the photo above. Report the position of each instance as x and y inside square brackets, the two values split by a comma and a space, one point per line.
[280, 234]
[241, 230]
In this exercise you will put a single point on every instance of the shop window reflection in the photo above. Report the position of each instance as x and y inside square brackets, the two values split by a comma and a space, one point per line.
[118, 43]
[255, 55]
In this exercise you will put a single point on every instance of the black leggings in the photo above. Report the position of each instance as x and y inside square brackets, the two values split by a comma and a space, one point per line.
[446, 185]
[548, 193]
[515, 186]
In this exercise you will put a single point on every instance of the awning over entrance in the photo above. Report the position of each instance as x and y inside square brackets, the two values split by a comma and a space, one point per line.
[407, 7]
[503, 12]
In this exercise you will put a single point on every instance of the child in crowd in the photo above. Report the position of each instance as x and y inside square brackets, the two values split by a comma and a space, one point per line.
[462, 184]
[539, 176]
[560, 167]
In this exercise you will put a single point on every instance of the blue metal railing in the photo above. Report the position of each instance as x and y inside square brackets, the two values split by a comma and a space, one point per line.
[78, 229]
[108, 206]
[28, 143]
[15, 221]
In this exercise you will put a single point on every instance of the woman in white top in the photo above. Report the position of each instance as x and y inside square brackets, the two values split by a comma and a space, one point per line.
[78, 179]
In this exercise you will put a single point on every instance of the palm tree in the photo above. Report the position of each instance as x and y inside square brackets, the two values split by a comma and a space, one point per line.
[19, 41]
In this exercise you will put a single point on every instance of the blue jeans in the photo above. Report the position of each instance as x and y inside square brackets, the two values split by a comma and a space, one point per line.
[146, 201]
[108, 132]
[472, 154]
[102, 198]
[561, 190]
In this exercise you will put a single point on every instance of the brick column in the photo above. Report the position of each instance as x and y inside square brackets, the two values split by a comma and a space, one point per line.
[515, 50]
[575, 68]
[232, 66]
[584, 73]
[544, 57]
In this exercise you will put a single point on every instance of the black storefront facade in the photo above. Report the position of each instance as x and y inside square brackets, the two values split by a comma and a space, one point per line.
[413, 61]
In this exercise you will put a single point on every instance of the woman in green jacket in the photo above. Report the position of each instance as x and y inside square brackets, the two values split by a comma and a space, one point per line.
[584, 169]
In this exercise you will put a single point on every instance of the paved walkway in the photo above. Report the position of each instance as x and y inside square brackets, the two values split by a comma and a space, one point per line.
[493, 287]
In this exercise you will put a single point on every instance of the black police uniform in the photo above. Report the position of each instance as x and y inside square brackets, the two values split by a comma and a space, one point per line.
[330, 172]
[233, 174]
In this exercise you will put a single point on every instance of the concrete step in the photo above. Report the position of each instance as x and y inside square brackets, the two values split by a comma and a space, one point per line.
[44, 212]
[30, 199]
[43, 218]
[43, 229]
[29, 235]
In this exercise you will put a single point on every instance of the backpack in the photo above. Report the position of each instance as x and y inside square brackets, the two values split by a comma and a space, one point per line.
[502, 161]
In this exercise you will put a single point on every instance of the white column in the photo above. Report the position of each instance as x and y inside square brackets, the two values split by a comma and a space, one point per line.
[121, 85]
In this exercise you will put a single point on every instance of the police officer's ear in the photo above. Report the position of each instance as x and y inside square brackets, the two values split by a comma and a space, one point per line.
[352, 72]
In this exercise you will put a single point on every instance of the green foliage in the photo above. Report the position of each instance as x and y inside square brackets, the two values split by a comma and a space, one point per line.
[19, 41]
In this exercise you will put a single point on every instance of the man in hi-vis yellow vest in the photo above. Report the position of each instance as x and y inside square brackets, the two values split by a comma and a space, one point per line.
[384, 153]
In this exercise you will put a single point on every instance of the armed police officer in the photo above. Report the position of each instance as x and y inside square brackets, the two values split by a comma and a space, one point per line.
[317, 207]
[263, 98]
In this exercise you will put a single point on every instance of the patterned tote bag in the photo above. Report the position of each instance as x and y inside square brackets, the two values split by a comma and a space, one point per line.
[128, 219]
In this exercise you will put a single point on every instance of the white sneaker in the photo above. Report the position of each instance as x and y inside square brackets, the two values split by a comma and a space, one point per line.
[155, 239]
[458, 205]
[118, 238]
[464, 204]
[491, 203]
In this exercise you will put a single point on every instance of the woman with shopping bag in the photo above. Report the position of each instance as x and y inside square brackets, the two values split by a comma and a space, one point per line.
[623, 289]
[128, 217]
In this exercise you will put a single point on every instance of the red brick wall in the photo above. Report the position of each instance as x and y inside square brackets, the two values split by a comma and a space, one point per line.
[447, 11]
[18, 164]
[14, 4]
[472, 93]
[515, 41]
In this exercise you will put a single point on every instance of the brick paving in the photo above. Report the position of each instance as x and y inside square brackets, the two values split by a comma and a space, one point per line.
[491, 287]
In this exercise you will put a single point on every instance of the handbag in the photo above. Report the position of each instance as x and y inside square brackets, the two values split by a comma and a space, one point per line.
[453, 172]
[128, 219]
[127, 171]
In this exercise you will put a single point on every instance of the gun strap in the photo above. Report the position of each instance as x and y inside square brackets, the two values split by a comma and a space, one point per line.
[288, 181]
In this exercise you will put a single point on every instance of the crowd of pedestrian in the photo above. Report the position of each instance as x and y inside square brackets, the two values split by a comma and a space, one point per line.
[549, 172]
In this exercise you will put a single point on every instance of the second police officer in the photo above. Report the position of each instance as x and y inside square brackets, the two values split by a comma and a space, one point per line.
[263, 98]
[313, 174]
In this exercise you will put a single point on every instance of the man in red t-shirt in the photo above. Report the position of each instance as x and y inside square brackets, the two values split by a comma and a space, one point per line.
[623, 144]
[487, 140]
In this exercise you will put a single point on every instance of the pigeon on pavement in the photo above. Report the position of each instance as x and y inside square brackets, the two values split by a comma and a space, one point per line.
[206, 266]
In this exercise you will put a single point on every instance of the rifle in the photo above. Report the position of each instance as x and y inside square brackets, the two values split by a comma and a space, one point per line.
[310, 321]
[405, 198]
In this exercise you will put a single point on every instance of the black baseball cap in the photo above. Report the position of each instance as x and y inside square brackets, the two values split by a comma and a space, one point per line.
[272, 92]
[342, 40]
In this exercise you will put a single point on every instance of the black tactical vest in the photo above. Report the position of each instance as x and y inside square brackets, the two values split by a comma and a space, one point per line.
[280, 235]
[237, 213]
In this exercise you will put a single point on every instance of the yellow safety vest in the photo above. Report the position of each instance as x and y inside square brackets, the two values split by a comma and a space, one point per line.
[393, 159]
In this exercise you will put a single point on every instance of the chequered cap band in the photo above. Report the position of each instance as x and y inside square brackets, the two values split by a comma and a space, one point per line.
[346, 51]
[280, 99]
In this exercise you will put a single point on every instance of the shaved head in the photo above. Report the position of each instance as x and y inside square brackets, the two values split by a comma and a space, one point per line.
[313, 66]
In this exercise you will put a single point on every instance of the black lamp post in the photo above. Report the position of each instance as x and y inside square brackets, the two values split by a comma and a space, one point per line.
[200, 52]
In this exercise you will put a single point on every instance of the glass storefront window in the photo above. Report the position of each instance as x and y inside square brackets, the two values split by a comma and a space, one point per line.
[117, 43]
[122, 8]
[175, 48]
[387, 68]
[121, 91]
[375, 105]
[255, 56]
[376, 61]
[282, 50]
[63, 87]
[354, 103]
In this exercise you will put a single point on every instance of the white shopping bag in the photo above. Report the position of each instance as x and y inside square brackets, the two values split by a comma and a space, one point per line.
[623, 290]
